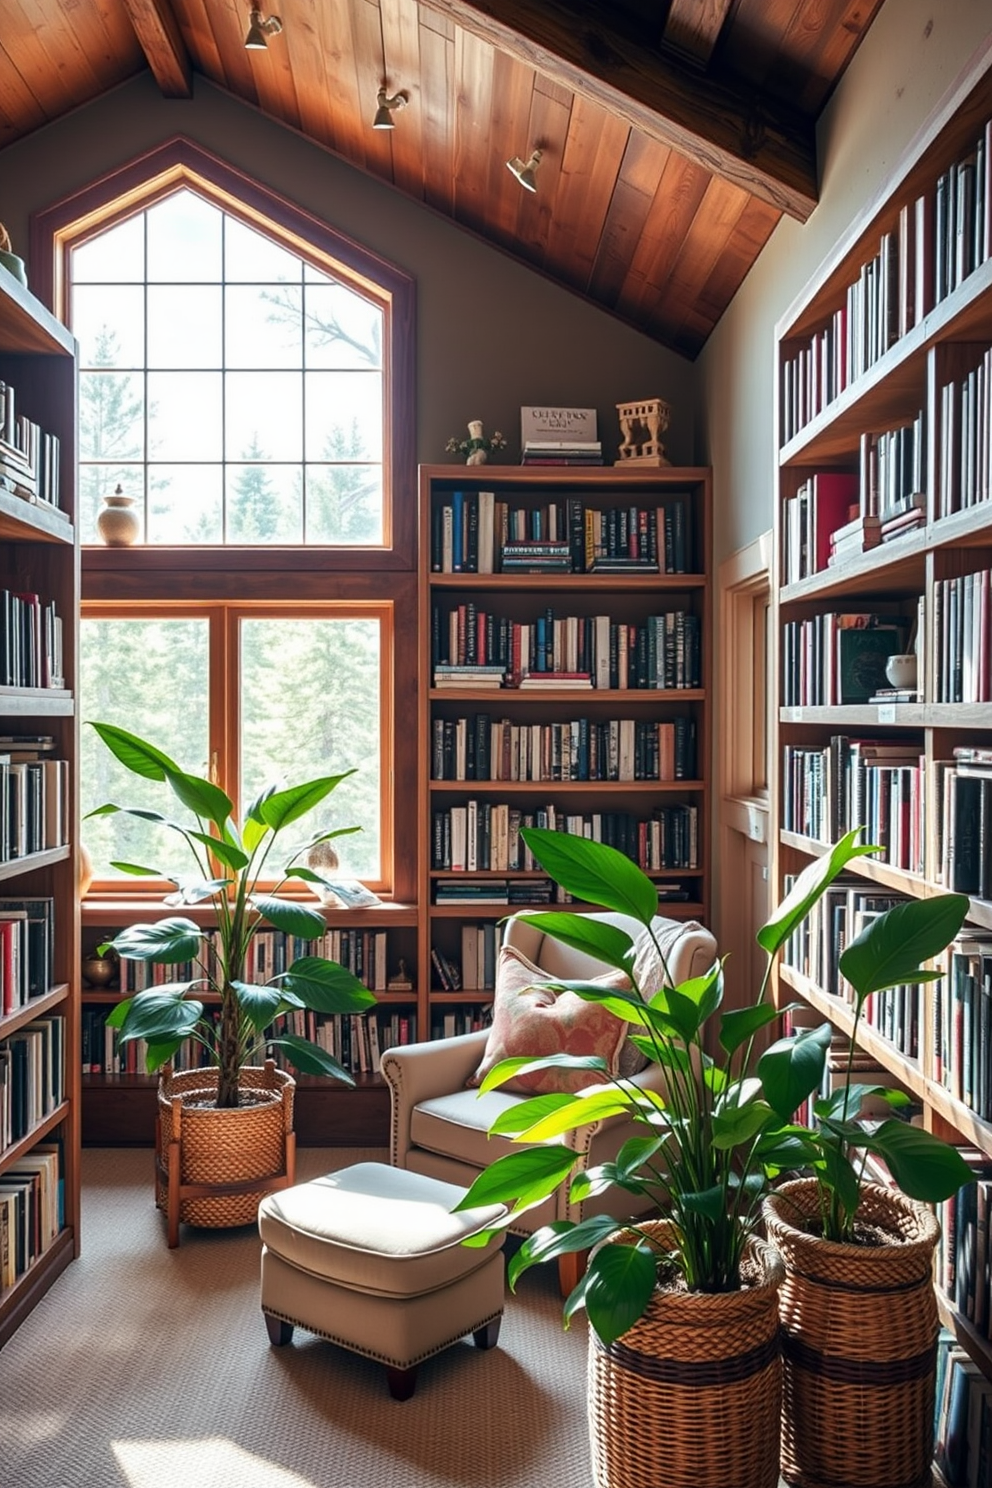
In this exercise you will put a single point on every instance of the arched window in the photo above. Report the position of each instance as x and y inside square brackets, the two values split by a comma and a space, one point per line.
[246, 376]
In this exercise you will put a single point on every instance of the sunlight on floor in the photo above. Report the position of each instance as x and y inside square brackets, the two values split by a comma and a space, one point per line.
[213, 1462]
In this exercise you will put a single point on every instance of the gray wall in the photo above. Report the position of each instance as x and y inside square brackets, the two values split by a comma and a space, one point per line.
[492, 334]
[912, 54]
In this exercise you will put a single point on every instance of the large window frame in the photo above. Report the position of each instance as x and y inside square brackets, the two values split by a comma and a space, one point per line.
[294, 580]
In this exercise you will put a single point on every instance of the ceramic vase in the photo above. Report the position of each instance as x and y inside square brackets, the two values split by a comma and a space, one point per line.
[118, 523]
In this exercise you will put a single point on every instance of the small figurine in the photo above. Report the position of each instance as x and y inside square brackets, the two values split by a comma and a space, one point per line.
[476, 447]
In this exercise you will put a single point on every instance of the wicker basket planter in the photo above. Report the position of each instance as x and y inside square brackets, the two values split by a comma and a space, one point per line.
[213, 1167]
[690, 1397]
[859, 1335]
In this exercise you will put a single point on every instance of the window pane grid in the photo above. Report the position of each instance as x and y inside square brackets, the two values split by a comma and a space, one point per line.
[322, 412]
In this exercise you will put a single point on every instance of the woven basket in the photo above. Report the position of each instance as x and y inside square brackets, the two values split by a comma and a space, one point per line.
[859, 1326]
[690, 1396]
[225, 1146]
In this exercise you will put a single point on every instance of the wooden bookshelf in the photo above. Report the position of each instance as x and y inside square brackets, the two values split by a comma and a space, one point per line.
[518, 599]
[39, 554]
[931, 342]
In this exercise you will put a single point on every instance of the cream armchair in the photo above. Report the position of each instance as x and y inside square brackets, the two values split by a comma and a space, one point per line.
[440, 1128]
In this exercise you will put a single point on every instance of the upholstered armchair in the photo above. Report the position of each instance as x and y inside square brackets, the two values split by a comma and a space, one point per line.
[440, 1125]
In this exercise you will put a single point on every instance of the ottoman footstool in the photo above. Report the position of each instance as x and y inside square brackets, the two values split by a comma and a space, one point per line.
[371, 1258]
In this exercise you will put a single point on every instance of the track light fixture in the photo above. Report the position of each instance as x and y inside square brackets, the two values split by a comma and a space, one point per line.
[385, 108]
[259, 27]
[525, 171]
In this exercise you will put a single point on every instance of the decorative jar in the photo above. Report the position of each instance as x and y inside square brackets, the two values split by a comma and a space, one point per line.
[118, 523]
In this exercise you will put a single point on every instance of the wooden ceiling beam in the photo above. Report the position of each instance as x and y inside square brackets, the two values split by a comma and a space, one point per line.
[161, 40]
[693, 26]
[759, 145]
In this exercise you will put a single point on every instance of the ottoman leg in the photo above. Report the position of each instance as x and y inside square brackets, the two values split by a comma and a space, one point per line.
[402, 1382]
[487, 1337]
[279, 1332]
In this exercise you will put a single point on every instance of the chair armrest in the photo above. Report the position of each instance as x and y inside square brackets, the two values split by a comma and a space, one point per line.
[417, 1072]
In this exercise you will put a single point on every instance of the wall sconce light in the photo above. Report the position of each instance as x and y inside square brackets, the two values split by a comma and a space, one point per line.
[525, 171]
[385, 108]
[259, 27]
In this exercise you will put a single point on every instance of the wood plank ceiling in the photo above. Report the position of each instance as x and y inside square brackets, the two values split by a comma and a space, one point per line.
[673, 135]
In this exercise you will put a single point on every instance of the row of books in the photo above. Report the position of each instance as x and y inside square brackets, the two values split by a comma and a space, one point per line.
[821, 505]
[962, 625]
[838, 658]
[485, 836]
[271, 952]
[27, 951]
[965, 463]
[962, 1417]
[531, 892]
[31, 653]
[964, 823]
[452, 1022]
[34, 804]
[963, 1259]
[32, 1077]
[474, 532]
[962, 1020]
[480, 949]
[29, 457]
[32, 1209]
[480, 747]
[662, 652]
[869, 783]
[940, 238]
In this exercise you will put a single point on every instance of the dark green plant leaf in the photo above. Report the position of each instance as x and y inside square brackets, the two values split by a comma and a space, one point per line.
[710, 1202]
[325, 986]
[118, 1013]
[159, 1052]
[292, 919]
[922, 1165]
[892, 947]
[737, 1025]
[561, 1237]
[284, 806]
[834, 1105]
[259, 1004]
[786, 1149]
[225, 852]
[836, 1174]
[522, 1177]
[620, 1282]
[637, 1151]
[161, 941]
[310, 1059]
[807, 889]
[600, 1178]
[596, 938]
[793, 1068]
[738, 1124]
[206, 800]
[161, 1013]
[668, 1055]
[135, 869]
[134, 753]
[593, 872]
[306, 874]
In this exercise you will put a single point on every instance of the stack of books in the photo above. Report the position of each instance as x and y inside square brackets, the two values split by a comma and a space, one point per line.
[559, 436]
[450, 674]
[857, 536]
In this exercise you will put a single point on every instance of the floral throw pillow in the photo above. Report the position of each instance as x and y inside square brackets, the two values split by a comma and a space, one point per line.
[528, 1019]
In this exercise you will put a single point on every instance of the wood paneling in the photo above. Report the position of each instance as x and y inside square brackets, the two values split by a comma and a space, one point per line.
[658, 185]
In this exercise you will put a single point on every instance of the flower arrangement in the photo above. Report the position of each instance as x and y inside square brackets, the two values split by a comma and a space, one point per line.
[477, 446]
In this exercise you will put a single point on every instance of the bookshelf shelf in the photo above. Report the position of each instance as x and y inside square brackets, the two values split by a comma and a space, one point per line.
[911, 773]
[39, 581]
[598, 512]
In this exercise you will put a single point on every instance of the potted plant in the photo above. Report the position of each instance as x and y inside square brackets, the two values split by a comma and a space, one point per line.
[859, 1314]
[684, 1365]
[226, 1125]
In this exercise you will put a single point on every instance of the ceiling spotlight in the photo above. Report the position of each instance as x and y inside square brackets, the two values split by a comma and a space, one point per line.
[259, 27]
[525, 171]
[385, 108]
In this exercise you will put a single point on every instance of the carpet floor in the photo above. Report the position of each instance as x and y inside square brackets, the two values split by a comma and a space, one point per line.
[149, 1368]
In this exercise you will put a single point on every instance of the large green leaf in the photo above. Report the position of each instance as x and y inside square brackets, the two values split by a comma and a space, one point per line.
[259, 1004]
[594, 872]
[325, 986]
[284, 806]
[597, 938]
[892, 947]
[807, 889]
[737, 1025]
[524, 1113]
[161, 1013]
[206, 800]
[836, 1172]
[311, 1059]
[135, 870]
[225, 852]
[620, 1281]
[526, 1177]
[561, 1237]
[135, 754]
[587, 1106]
[164, 941]
[738, 1124]
[793, 1068]
[922, 1165]
[290, 918]
[708, 1202]
[506, 1069]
